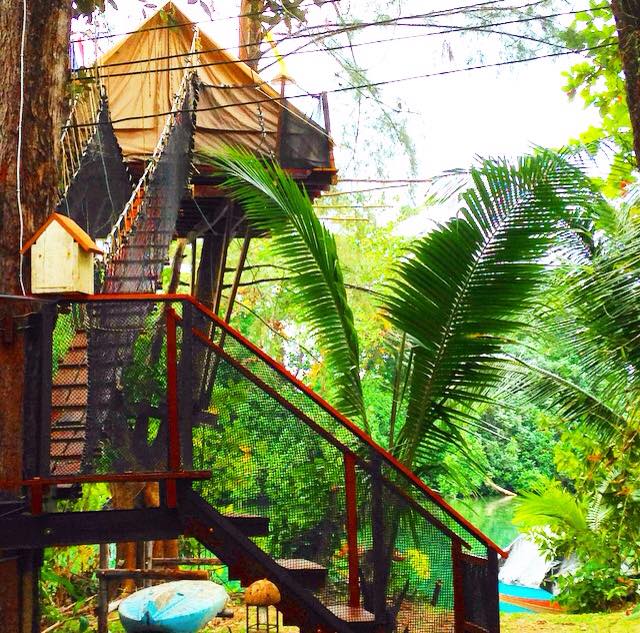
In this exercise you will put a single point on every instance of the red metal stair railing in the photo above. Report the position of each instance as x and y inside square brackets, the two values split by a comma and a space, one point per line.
[354, 536]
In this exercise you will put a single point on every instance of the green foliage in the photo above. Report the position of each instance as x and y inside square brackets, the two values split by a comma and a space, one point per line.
[596, 511]
[595, 587]
[524, 451]
[555, 506]
[463, 293]
[599, 82]
[273, 202]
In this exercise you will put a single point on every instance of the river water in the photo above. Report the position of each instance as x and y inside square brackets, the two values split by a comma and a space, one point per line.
[493, 516]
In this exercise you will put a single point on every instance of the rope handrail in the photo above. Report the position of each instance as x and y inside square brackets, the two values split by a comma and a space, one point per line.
[75, 138]
[123, 224]
[408, 475]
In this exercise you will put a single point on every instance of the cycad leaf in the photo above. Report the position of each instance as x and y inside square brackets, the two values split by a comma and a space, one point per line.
[553, 506]
[575, 406]
[275, 203]
[465, 289]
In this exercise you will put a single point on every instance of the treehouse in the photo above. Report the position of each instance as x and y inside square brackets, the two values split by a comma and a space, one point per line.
[209, 437]
[229, 105]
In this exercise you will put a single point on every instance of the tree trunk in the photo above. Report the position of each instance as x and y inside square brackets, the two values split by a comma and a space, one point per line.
[45, 73]
[627, 17]
[250, 31]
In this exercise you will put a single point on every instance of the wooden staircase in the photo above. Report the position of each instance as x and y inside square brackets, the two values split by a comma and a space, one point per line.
[297, 579]
[69, 408]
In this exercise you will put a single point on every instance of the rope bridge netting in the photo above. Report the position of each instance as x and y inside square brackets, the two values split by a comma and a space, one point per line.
[96, 182]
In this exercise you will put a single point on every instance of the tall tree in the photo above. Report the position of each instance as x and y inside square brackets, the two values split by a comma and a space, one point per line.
[34, 36]
[258, 17]
[627, 17]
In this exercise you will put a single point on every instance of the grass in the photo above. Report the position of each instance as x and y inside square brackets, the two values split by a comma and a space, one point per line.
[617, 622]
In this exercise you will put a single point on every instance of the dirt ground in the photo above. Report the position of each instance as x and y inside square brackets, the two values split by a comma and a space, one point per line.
[618, 622]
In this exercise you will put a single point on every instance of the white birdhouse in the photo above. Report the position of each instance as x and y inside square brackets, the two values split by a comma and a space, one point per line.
[62, 257]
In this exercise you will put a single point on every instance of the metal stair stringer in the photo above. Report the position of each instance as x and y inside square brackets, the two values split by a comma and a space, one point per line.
[248, 563]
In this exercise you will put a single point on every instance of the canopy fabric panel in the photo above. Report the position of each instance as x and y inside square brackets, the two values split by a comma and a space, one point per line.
[150, 67]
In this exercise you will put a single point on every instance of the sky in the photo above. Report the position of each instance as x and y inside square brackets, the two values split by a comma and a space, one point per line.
[450, 119]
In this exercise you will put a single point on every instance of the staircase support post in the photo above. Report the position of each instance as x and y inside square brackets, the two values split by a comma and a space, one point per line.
[185, 380]
[352, 528]
[173, 428]
[44, 428]
[380, 547]
[458, 587]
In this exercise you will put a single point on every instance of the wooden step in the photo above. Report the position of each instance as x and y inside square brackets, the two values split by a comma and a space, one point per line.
[62, 396]
[249, 524]
[310, 575]
[74, 358]
[359, 620]
[71, 376]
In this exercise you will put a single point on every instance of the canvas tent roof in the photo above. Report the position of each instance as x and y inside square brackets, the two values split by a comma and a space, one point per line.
[149, 69]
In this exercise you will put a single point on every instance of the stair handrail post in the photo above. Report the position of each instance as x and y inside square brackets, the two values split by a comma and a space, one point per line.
[351, 500]
[43, 467]
[185, 387]
[379, 545]
[458, 587]
[173, 427]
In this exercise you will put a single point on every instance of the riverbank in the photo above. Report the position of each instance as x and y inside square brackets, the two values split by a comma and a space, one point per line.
[618, 622]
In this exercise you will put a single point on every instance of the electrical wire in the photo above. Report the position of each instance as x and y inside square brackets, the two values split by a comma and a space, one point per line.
[19, 148]
[447, 30]
[487, 28]
[361, 86]
[334, 194]
[195, 23]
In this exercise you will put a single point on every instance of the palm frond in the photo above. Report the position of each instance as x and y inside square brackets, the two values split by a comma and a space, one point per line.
[464, 291]
[553, 506]
[273, 202]
[575, 406]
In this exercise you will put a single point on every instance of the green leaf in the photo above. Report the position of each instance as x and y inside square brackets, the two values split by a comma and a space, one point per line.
[465, 290]
[274, 203]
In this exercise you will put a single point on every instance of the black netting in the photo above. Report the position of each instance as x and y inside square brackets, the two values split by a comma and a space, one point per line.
[126, 412]
[139, 244]
[303, 144]
[275, 452]
[320, 416]
[101, 187]
[480, 582]
[264, 443]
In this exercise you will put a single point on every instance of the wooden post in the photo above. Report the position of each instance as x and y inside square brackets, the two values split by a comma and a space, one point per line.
[352, 528]
[173, 428]
[185, 384]
[493, 598]
[379, 546]
[46, 369]
[103, 591]
[458, 586]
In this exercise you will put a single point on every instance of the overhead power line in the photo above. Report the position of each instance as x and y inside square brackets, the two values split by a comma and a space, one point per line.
[450, 29]
[407, 181]
[335, 194]
[446, 30]
[366, 86]
[194, 23]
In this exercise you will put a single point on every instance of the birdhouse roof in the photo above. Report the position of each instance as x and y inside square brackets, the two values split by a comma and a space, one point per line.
[78, 234]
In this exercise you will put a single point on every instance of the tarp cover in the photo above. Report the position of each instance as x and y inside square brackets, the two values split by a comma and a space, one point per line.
[150, 66]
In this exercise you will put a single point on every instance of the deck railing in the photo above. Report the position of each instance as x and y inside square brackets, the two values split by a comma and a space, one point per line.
[195, 396]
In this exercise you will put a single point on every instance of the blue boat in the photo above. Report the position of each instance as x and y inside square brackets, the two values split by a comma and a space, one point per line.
[184, 606]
